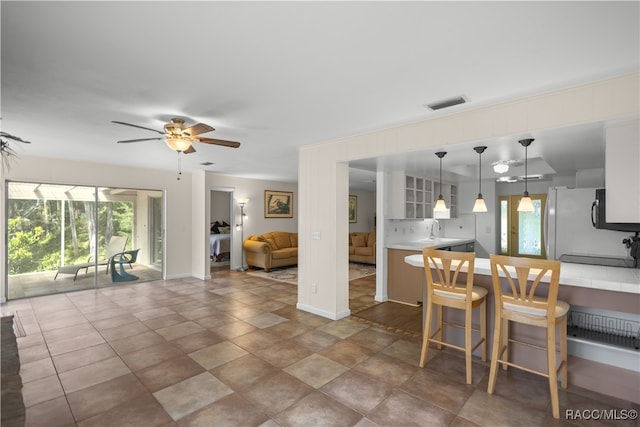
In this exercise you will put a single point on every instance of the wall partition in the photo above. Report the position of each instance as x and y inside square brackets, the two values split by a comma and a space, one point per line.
[62, 238]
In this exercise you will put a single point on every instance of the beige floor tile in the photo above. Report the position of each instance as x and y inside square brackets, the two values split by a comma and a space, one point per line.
[489, 410]
[180, 330]
[283, 353]
[274, 393]
[231, 410]
[217, 354]
[33, 353]
[86, 356]
[316, 370]
[134, 328]
[86, 376]
[343, 328]
[136, 342]
[41, 390]
[149, 356]
[316, 409]
[169, 372]
[36, 370]
[401, 409]
[192, 394]
[256, 340]
[243, 372]
[76, 343]
[197, 341]
[52, 413]
[387, 369]
[143, 411]
[264, 320]
[359, 392]
[347, 353]
[91, 401]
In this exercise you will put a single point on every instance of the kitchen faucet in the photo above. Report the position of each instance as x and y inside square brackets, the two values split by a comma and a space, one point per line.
[434, 222]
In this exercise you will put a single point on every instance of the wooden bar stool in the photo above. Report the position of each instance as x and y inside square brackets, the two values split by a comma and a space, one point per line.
[517, 303]
[447, 292]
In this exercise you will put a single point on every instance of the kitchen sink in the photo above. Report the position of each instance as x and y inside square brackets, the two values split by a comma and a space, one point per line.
[440, 240]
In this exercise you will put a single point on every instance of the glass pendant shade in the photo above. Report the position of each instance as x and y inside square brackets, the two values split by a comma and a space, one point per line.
[480, 205]
[177, 143]
[525, 205]
[440, 205]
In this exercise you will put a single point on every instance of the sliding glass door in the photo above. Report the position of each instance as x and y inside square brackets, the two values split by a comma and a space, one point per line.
[63, 237]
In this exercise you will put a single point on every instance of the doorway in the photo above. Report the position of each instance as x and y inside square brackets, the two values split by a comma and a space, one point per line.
[521, 233]
[221, 229]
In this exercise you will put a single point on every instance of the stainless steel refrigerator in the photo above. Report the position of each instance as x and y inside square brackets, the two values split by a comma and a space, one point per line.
[569, 231]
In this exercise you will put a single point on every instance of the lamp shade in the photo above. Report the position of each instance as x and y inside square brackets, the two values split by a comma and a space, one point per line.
[177, 143]
[525, 205]
[440, 205]
[480, 205]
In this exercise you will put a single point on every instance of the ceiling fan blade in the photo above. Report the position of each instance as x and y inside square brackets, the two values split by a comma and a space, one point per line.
[189, 150]
[15, 138]
[141, 139]
[136, 126]
[199, 128]
[223, 142]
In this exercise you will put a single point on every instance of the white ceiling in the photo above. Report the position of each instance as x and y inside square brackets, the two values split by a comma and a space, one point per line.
[278, 75]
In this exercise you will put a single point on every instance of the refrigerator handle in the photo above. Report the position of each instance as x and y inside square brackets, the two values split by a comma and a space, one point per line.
[545, 227]
[593, 213]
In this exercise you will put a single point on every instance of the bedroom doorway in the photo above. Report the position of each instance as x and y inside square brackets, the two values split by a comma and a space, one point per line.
[221, 229]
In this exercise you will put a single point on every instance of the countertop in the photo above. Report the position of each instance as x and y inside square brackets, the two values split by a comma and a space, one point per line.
[615, 279]
[440, 242]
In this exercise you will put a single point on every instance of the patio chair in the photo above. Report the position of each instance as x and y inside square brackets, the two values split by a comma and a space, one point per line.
[117, 244]
[126, 257]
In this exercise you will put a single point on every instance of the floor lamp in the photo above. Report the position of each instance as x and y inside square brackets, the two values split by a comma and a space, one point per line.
[242, 203]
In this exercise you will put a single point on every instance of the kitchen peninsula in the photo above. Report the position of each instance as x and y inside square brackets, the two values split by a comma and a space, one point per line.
[614, 291]
[404, 283]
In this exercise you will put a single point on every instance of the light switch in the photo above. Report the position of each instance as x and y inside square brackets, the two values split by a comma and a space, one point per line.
[315, 235]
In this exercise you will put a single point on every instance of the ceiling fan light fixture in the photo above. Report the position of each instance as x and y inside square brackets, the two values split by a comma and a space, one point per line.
[178, 143]
[500, 167]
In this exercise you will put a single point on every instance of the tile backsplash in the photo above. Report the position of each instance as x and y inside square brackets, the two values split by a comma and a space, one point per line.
[407, 230]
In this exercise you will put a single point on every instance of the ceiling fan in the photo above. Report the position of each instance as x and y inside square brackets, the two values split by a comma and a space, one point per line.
[180, 137]
[6, 150]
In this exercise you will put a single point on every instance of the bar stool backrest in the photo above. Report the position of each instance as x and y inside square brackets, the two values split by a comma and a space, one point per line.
[523, 298]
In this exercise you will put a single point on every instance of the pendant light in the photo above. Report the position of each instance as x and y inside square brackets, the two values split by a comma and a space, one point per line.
[440, 204]
[480, 205]
[525, 203]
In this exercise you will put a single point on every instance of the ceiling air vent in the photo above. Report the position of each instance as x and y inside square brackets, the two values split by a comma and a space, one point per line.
[446, 103]
[207, 163]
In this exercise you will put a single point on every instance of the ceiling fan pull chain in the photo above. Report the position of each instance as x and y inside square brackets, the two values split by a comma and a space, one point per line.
[179, 166]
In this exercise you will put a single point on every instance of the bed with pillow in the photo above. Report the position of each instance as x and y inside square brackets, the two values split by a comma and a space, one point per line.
[220, 241]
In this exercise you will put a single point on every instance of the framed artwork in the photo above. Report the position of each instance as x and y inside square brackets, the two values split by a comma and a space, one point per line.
[353, 208]
[278, 204]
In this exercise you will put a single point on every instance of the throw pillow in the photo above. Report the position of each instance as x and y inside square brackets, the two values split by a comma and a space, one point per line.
[224, 230]
[215, 229]
[359, 240]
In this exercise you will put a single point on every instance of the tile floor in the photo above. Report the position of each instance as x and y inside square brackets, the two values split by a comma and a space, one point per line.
[234, 351]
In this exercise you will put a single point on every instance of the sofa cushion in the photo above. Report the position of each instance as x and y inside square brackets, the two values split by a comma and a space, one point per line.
[293, 238]
[371, 238]
[359, 240]
[366, 250]
[284, 253]
[352, 250]
[282, 239]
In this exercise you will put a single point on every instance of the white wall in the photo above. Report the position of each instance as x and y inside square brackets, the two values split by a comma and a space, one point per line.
[220, 202]
[322, 261]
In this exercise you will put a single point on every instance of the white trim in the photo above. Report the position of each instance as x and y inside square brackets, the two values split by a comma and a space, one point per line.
[323, 313]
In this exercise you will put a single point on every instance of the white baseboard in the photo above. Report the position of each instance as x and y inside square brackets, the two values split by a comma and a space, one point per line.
[323, 313]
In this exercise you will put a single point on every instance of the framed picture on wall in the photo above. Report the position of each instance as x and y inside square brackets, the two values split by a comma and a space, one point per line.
[278, 204]
[353, 208]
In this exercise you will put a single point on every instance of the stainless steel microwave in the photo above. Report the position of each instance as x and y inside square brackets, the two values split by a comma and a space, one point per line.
[599, 218]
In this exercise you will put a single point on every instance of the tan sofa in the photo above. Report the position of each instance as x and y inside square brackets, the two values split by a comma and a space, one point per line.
[270, 250]
[362, 247]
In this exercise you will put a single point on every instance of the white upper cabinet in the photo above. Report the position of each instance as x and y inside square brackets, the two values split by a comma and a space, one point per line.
[414, 197]
[622, 171]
